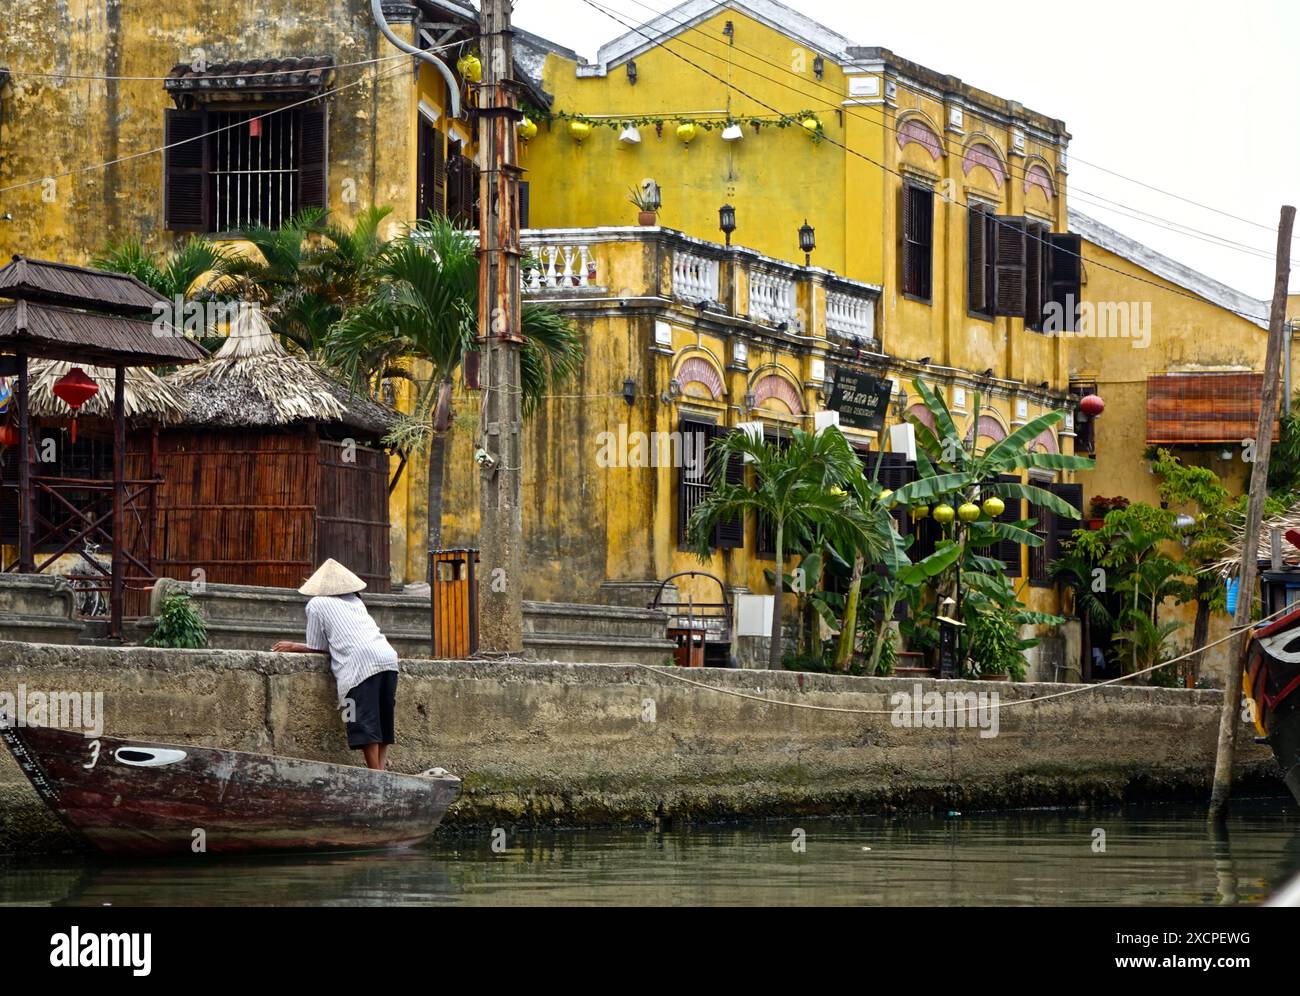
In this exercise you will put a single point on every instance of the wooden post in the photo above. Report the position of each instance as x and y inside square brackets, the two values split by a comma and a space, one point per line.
[119, 501]
[1229, 718]
[500, 604]
[26, 503]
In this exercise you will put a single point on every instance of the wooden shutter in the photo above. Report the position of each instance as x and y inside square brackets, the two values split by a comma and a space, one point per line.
[313, 158]
[1009, 267]
[1008, 551]
[917, 215]
[187, 194]
[523, 204]
[1063, 528]
[1065, 272]
[692, 483]
[1035, 274]
[976, 255]
[431, 186]
[731, 532]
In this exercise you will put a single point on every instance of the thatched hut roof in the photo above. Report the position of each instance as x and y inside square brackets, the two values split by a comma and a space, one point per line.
[1230, 567]
[252, 380]
[148, 397]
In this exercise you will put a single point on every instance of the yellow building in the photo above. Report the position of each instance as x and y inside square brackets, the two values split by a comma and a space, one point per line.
[1178, 359]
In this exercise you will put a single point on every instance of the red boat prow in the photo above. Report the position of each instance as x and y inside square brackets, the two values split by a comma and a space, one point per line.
[1271, 678]
[132, 797]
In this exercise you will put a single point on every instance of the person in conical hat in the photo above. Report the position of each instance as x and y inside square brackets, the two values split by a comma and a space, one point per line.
[363, 661]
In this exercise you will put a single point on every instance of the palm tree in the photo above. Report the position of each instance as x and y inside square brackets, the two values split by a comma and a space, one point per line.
[799, 487]
[423, 308]
[175, 275]
[308, 272]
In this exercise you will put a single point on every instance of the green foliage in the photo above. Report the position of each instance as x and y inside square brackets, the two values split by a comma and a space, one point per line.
[1284, 457]
[179, 625]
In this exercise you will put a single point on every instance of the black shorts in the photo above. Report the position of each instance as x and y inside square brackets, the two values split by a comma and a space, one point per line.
[371, 707]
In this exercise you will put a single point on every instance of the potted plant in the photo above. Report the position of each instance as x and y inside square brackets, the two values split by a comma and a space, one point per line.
[1100, 507]
[647, 210]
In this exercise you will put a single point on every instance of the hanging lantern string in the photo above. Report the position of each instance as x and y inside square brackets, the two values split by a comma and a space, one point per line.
[708, 121]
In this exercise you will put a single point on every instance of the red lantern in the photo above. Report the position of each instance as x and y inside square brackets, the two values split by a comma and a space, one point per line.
[74, 389]
[1092, 405]
[8, 435]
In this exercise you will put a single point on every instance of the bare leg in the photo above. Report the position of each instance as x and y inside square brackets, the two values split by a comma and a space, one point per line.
[374, 759]
[383, 756]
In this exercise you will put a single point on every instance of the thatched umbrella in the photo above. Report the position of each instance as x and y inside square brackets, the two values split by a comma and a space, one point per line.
[252, 380]
[147, 397]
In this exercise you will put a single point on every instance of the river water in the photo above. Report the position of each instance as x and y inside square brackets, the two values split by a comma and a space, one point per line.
[1135, 856]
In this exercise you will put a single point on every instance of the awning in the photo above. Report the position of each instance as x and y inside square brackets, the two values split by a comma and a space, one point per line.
[281, 78]
[1189, 408]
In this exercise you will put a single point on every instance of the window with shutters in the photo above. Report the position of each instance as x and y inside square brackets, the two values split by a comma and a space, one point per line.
[226, 170]
[1008, 242]
[1063, 278]
[1055, 531]
[917, 214]
[979, 262]
[431, 171]
[1037, 257]
[695, 481]
[462, 187]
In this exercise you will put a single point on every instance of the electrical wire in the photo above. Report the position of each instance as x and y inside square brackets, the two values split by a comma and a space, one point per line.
[370, 77]
[854, 152]
[917, 90]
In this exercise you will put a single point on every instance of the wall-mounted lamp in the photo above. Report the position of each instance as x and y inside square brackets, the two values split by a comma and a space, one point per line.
[631, 70]
[750, 401]
[819, 66]
[807, 241]
[629, 391]
[899, 403]
[924, 361]
[727, 221]
[673, 393]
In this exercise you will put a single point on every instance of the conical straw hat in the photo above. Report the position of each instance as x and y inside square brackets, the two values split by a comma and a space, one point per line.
[332, 578]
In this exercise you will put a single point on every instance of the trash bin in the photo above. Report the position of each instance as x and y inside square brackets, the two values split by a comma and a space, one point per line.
[453, 598]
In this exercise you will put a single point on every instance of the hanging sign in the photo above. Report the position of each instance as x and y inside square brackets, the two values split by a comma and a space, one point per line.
[861, 399]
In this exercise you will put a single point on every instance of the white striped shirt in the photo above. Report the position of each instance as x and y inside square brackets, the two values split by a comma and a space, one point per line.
[341, 625]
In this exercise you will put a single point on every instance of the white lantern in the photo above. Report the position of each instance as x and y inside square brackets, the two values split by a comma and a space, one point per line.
[630, 136]
[732, 133]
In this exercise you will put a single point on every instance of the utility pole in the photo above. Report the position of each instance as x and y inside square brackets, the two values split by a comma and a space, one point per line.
[500, 451]
[1230, 719]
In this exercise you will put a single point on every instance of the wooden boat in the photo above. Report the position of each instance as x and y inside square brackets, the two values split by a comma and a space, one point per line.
[1271, 679]
[130, 797]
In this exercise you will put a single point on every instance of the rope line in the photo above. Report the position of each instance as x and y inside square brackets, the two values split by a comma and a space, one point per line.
[996, 705]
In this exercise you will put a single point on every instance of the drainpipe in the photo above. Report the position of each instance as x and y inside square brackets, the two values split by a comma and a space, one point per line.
[453, 87]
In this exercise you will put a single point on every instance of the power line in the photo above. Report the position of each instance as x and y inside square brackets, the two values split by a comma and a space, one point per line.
[995, 219]
[211, 78]
[372, 77]
[1191, 232]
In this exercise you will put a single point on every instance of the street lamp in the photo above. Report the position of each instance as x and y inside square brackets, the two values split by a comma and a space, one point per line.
[727, 221]
[807, 241]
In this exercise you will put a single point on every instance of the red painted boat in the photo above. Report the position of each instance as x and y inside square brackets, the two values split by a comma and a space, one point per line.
[130, 797]
[1271, 679]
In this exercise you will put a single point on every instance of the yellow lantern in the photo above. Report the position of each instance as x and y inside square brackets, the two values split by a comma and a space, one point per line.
[686, 132]
[812, 127]
[470, 68]
[527, 129]
[886, 495]
[943, 514]
[968, 512]
[994, 506]
[920, 511]
[579, 130]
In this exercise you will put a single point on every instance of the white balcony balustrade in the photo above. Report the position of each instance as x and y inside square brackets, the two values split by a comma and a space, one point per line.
[558, 267]
[773, 299]
[695, 278]
[851, 315]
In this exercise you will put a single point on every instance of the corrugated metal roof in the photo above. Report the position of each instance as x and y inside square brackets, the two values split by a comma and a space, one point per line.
[309, 74]
[57, 333]
[62, 283]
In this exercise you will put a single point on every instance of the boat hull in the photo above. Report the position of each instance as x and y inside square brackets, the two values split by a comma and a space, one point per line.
[131, 797]
[1271, 680]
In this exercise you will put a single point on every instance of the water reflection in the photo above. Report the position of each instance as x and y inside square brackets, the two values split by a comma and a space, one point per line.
[1164, 855]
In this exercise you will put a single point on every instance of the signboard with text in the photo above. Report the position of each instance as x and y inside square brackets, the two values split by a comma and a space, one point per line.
[861, 399]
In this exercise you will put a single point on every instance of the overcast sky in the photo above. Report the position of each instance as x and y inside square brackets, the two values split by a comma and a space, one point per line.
[1198, 98]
